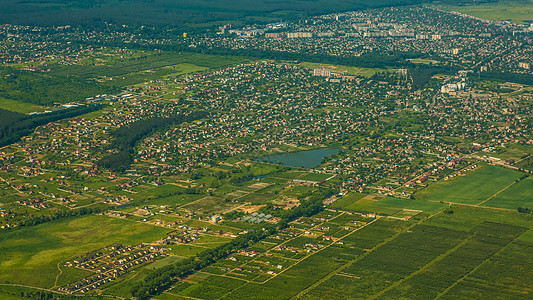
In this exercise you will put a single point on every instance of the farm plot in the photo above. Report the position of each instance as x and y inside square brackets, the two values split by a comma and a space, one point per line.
[392, 205]
[510, 268]
[387, 264]
[435, 279]
[476, 187]
[210, 205]
[517, 195]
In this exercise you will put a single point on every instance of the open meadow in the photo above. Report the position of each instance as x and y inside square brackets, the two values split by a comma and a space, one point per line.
[20, 107]
[43, 248]
[519, 12]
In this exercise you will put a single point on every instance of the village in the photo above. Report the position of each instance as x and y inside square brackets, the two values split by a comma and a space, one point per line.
[396, 127]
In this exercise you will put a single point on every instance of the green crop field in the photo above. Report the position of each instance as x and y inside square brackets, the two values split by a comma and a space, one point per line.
[41, 249]
[520, 12]
[347, 200]
[391, 205]
[517, 195]
[315, 177]
[472, 188]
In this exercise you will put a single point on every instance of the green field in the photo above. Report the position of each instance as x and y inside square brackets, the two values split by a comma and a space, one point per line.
[517, 195]
[391, 205]
[472, 188]
[520, 12]
[448, 251]
[18, 106]
[347, 200]
[25, 252]
[316, 177]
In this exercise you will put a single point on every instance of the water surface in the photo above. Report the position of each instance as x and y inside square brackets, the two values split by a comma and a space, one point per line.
[304, 159]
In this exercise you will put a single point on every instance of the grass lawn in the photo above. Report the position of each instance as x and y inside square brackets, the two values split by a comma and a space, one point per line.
[472, 188]
[25, 252]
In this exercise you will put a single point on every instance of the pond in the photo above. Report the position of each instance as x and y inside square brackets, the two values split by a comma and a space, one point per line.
[304, 159]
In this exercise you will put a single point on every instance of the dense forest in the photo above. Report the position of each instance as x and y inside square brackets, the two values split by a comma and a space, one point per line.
[125, 138]
[185, 13]
[422, 74]
[13, 126]
[162, 278]
[508, 77]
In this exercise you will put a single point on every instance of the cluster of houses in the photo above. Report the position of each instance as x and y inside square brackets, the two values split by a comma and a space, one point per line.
[417, 29]
[256, 218]
[36, 203]
[109, 263]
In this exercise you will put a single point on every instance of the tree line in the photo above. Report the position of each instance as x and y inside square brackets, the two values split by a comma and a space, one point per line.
[35, 220]
[508, 77]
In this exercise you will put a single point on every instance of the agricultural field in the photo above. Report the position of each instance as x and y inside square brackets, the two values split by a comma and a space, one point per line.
[386, 258]
[440, 250]
[517, 195]
[316, 177]
[519, 12]
[391, 205]
[471, 188]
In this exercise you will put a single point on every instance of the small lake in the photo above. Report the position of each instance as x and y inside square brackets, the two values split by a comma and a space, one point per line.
[303, 159]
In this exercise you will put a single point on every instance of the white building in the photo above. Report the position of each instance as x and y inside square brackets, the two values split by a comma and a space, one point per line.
[324, 72]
